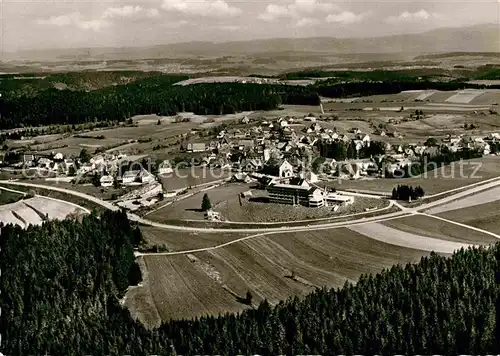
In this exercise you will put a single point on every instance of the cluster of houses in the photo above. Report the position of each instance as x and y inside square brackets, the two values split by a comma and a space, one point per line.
[281, 151]
[110, 168]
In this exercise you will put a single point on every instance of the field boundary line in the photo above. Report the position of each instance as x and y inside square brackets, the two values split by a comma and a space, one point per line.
[463, 188]
[47, 197]
[461, 224]
[283, 231]
[13, 191]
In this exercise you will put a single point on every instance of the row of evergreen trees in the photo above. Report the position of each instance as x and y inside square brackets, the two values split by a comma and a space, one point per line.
[61, 284]
[405, 192]
[340, 150]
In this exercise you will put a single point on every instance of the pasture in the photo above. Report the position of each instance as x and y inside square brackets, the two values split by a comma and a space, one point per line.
[36, 210]
[272, 267]
[193, 176]
[226, 200]
[419, 229]
[128, 139]
[484, 216]
[190, 208]
[8, 197]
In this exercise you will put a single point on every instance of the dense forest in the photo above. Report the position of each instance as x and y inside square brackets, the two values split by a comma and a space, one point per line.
[61, 284]
[154, 95]
[40, 102]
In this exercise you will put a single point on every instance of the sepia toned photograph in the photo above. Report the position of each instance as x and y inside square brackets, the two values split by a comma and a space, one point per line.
[267, 177]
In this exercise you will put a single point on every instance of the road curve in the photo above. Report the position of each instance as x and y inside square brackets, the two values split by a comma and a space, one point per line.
[138, 219]
[134, 217]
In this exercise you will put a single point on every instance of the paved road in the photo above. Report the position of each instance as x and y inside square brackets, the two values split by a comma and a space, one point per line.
[259, 231]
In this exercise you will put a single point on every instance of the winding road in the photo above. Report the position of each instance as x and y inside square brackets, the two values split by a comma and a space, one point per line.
[261, 231]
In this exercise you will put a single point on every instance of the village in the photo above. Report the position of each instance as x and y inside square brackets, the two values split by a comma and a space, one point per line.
[287, 160]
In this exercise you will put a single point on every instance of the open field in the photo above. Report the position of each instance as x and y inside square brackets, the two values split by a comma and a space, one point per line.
[258, 209]
[180, 240]
[215, 281]
[437, 181]
[57, 195]
[190, 208]
[421, 241]
[7, 197]
[107, 193]
[468, 96]
[484, 216]
[225, 200]
[464, 96]
[35, 211]
[480, 198]
[192, 176]
[118, 138]
[427, 227]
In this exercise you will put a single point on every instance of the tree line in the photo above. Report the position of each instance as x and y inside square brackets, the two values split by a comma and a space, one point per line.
[61, 285]
[158, 95]
[405, 192]
[428, 162]
[155, 95]
[340, 150]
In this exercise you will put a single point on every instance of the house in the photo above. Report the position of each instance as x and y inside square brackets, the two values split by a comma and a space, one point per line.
[165, 167]
[285, 170]
[431, 151]
[365, 139]
[299, 181]
[196, 147]
[44, 163]
[344, 138]
[315, 127]
[265, 181]
[58, 157]
[310, 177]
[253, 165]
[28, 158]
[137, 177]
[130, 177]
[245, 144]
[338, 199]
[267, 154]
[295, 195]
[106, 181]
[394, 134]
[240, 178]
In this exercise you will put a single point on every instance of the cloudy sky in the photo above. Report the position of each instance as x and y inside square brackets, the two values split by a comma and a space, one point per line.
[33, 24]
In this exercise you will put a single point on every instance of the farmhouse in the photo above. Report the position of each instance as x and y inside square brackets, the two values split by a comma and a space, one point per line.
[196, 147]
[137, 177]
[285, 170]
[295, 195]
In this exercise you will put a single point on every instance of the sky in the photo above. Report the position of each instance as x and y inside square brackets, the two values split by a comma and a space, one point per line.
[42, 24]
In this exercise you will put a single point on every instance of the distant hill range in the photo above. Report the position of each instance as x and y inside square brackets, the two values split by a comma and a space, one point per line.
[481, 38]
